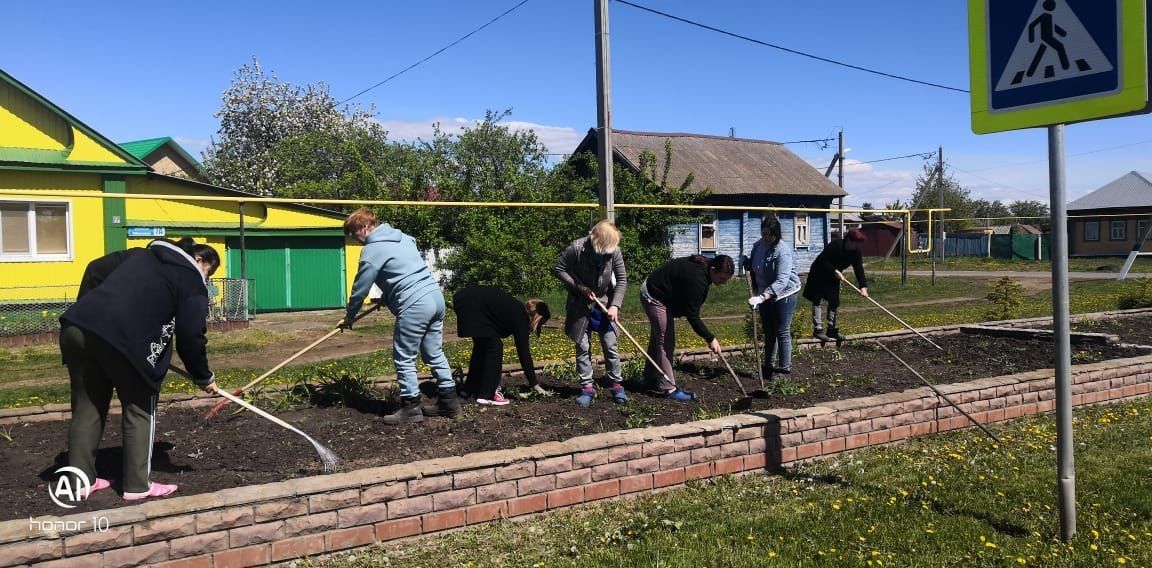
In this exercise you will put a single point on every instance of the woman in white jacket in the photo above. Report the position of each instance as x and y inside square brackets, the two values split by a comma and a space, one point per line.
[776, 283]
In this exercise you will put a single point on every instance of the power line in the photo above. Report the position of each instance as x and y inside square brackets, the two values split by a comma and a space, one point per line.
[792, 51]
[1097, 151]
[437, 52]
[922, 155]
[1024, 191]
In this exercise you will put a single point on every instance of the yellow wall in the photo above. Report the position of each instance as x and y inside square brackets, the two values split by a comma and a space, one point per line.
[352, 248]
[25, 123]
[34, 280]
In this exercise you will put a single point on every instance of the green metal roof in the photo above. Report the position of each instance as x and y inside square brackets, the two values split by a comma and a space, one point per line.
[141, 148]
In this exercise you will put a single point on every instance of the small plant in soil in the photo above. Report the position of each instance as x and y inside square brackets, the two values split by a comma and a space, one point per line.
[704, 412]
[564, 372]
[639, 414]
[861, 379]
[6, 433]
[784, 387]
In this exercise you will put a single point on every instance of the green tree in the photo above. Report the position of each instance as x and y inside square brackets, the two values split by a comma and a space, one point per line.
[956, 197]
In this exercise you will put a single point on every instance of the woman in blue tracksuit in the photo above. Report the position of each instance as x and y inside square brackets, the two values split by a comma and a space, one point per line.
[776, 284]
[391, 260]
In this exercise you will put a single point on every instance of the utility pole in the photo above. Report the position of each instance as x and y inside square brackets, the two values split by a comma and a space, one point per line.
[604, 113]
[840, 181]
[940, 181]
[1065, 449]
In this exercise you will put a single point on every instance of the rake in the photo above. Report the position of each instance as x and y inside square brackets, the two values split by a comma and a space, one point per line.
[634, 342]
[755, 331]
[240, 391]
[887, 311]
[327, 457]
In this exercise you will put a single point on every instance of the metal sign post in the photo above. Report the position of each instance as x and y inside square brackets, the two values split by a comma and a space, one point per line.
[1049, 63]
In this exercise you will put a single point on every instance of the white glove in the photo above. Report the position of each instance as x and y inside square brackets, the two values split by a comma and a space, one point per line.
[755, 301]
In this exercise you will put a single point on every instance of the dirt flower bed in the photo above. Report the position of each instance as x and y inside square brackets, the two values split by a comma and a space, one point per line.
[1136, 330]
[241, 449]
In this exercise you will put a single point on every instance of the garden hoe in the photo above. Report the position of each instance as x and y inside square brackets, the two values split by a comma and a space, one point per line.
[940, 394]
[327, 457]
[894, 316]
[636, 343]
[240, 391]
[755, 330]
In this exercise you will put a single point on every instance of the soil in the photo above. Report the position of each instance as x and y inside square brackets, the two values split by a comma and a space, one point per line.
[1137, 330]
[242, 449]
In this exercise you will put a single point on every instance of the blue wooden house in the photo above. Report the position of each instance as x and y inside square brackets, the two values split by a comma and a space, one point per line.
[739, 172]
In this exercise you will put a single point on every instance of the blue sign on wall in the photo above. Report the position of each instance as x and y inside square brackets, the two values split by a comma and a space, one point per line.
[146, 231]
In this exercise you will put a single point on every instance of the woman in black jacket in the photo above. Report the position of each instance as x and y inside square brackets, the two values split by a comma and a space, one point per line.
[678, 288]
[487, 315]
[824, 281]
[118, 336]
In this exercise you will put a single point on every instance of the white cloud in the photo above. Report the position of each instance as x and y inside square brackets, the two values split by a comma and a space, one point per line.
[558, 139]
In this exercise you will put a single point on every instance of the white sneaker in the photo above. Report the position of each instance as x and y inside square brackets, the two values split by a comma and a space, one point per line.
[496, 400]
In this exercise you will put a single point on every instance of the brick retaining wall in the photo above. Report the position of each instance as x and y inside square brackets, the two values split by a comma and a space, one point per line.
[260, 524]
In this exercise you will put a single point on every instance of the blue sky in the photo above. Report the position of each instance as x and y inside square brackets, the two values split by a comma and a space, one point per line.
[137, 70]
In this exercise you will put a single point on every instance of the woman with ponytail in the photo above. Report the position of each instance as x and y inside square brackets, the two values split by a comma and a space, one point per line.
[679, 288]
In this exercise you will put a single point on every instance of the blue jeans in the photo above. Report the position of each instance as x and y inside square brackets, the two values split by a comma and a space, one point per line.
[420, 330]
[776, 321]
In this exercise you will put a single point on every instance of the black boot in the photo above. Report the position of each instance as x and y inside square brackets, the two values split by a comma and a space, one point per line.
[834, 333]
[818, 333]
[408, 413]
[447, 405]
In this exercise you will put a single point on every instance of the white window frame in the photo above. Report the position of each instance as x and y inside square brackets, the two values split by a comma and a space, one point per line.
[715, 233]
[32, 255]
[801, 230]
[1093, 235]
[1141, 228]
[1122, 225]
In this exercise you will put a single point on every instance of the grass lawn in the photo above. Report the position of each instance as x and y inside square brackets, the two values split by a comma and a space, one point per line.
[947, 500]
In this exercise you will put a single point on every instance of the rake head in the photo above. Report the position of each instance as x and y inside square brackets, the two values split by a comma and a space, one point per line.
[327, 457]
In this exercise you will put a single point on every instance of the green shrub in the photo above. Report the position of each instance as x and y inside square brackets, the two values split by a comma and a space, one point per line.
[1136, 294]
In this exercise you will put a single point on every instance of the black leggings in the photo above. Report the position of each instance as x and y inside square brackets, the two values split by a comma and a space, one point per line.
[484, 367]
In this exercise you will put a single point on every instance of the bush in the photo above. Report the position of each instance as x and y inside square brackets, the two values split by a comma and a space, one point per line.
[1007, 296]
[1136, 294]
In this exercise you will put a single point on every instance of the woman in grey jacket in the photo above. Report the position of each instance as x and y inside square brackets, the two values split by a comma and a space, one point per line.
[592, 267]
[776, 283]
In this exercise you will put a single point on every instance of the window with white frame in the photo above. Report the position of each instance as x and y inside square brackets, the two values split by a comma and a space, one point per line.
[801, 231]
[1141, 228]
[36, 231]
[1091, 230]
[1118, 230]
[708, 233]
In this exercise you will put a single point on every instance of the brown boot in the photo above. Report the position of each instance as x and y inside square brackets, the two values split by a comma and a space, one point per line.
[408, 413]
[447, 405]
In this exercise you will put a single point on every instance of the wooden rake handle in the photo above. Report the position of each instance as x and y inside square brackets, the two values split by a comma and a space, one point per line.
[733, 373]
[249, 406]
[620, 326]
[887, 311]
[216, 409]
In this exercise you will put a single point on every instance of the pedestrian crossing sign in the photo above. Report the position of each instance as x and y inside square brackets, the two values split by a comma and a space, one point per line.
[1042, 62]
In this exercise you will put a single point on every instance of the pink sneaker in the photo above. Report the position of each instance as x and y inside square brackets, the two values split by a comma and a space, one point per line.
[157, 490]
[496, 400]
[97, 485]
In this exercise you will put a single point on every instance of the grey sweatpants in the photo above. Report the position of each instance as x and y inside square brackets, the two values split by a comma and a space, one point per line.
[95, 368]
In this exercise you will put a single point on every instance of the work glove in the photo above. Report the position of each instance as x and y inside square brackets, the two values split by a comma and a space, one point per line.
[584, 291]
[755, 301]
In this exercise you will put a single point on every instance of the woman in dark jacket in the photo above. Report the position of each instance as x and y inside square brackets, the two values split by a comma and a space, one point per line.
[678, 288]
[118, 336]
[487, 314]
[824, 280]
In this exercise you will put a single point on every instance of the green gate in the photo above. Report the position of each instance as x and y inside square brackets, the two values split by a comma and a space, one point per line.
[292, 273]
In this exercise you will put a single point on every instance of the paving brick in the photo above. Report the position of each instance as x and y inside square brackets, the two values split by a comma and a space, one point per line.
[644, 465]
[255, 534]
[197, 544]
[486, 512]
[311, 524]
[574, 478]
[557, 464]
[363, 515]
[832, 446]
[734, 449]
[444, 520]
[755, 462]
[881, 437]
[84, 543]
[409, 507]
[165, 528]
[453, 499]
[31, 552]
[689, 442]
[700, 455]
[602, 489]
[497, 491]
[531, 485]
[609, 471]
[625, 453]
[565, 497]
[675, 460]
[298, 547]
[349, 538]
[659, 447]
[589, 459]
[787, 455]
[223, 519]
[429, 485]
[475, 477]
[805, 451]
[667, 478]
[634, 483]
[900, 433]
[518, 470]
[720, 438]
[698, 471]
[392, 530]
[525, 505]
[332, 501]
[243, 557]
[204, 561]
[383, 492]
[729, 465]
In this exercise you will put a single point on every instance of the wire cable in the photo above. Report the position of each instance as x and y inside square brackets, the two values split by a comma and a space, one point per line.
[793, 51]
[437, 52]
